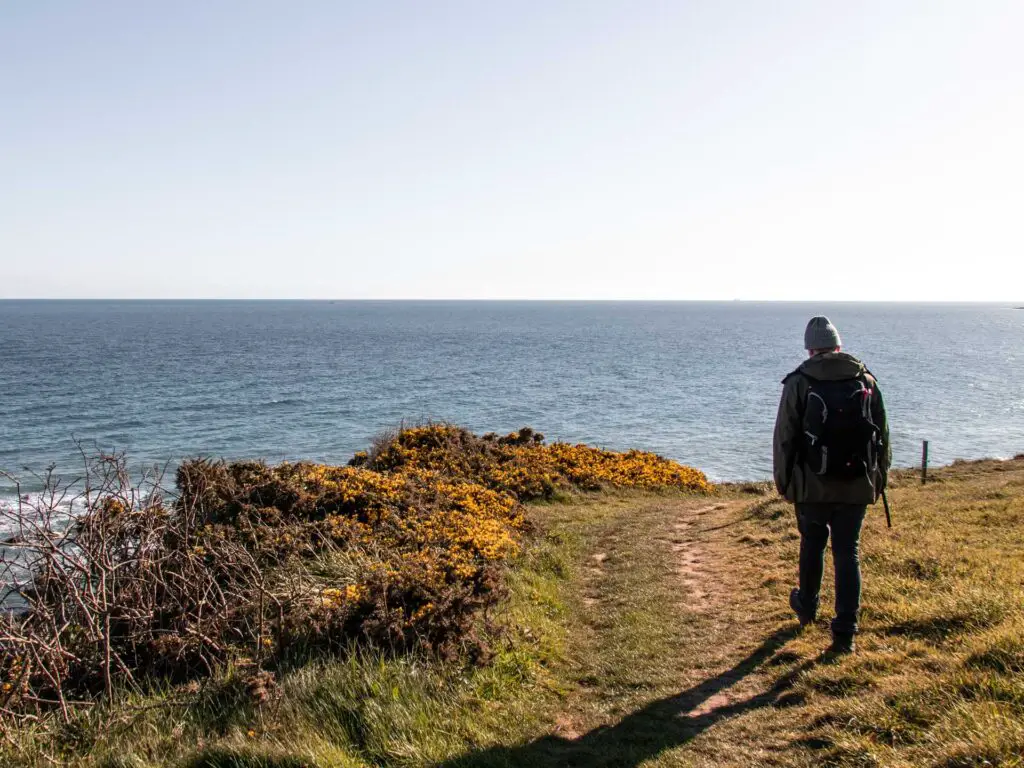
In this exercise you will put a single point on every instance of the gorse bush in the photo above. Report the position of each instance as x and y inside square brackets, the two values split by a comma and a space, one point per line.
[245, 565]
[521, 465]
[396, 559]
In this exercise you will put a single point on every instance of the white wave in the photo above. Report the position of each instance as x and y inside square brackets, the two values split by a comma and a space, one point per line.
[64, 509]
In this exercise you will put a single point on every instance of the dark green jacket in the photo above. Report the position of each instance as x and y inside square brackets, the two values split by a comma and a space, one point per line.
[792, 478]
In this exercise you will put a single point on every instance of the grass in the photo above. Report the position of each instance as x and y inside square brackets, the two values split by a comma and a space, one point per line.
[652, 629]
[360, 708]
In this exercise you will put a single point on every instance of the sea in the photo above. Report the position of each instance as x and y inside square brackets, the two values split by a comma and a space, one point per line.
[285, 380]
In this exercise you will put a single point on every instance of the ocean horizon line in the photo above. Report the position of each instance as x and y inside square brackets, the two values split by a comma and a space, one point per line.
[282, 300]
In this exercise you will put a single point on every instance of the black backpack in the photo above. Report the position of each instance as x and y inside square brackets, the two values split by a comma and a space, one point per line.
[840, 437]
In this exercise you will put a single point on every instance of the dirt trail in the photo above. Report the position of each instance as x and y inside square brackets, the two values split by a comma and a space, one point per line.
[709, 583]
[691, 555]
[714, 676]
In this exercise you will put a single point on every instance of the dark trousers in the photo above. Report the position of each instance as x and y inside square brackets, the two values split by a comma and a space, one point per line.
[844, 521]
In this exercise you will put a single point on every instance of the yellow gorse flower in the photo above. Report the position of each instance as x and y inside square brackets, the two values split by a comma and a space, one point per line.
[427, 520]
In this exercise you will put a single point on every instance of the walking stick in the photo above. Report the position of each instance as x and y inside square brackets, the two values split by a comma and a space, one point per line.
[888, 517]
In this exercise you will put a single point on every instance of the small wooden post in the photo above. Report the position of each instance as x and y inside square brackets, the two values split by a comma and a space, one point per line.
[924, 462]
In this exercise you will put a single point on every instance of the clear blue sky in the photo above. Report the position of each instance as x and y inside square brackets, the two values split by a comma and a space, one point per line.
[661, 150]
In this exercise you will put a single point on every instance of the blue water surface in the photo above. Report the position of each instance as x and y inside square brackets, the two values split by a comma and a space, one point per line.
[698, 382]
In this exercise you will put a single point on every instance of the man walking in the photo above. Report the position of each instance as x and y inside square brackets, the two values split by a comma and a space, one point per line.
[832, 459]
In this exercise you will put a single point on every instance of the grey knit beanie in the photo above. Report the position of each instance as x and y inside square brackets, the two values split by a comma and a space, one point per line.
[821, 334]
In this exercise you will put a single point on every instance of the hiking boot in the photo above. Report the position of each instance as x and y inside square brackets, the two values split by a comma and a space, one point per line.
[842, 643]
[798, 608]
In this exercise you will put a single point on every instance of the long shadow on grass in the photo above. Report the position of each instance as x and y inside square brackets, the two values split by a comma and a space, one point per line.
[661, 725]
[219, 758]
